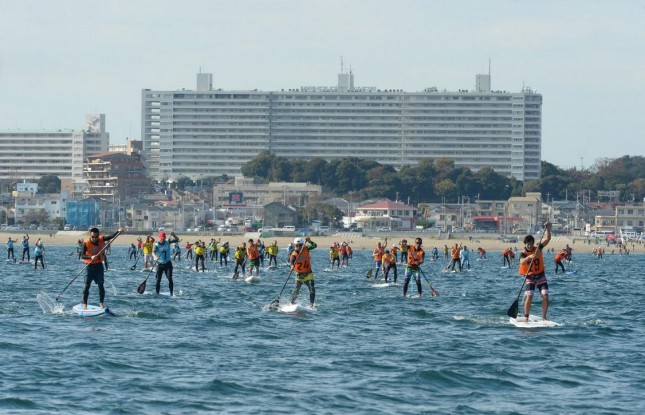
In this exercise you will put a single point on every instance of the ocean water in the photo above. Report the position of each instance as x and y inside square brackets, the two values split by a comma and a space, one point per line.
[216, 348]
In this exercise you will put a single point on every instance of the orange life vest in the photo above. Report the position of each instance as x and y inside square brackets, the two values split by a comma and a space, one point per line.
[91, 250]
[415, 256]
[302, 264]
[378, 253]
[537, 265]
[252, 251]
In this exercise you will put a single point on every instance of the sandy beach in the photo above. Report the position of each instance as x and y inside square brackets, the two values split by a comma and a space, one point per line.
[357, 241]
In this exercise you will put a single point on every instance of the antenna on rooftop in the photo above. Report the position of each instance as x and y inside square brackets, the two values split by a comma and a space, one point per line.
[341, 64]
[488, 66]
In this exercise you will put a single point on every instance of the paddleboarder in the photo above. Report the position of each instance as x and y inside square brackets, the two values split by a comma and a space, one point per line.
[10, 243]
[39, 253]
[416, 256]
[300, 261]
[558, 260]
[25, 248]
[92, 255]
[272, 250]
[532, 268]
[162, 253]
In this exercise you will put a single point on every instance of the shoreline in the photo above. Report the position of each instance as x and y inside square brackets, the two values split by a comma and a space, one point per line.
[357, 241]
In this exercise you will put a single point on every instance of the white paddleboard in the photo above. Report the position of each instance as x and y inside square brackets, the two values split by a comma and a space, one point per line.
[505, 267]
[152, 270]
[295, 308]
[384, 285]
[413, 296]
[534, 322]
[90, 311]
[572, 272]
[271, 267]
[253, 279]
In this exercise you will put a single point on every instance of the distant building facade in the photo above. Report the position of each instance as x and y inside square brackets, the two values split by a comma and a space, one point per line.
[249, 192]
[115, 176]
[31, 154]
[214, 132]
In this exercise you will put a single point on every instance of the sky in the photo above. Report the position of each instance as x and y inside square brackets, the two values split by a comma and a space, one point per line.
[60, 60]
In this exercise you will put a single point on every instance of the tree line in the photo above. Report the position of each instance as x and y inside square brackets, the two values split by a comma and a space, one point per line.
[439, 180]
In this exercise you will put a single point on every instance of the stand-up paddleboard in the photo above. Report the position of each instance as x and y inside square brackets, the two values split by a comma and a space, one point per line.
[534, 322]
[90, 311]
[384, 285]
[151, 269]
[271, 267]
[24, 262]
[253, 279]
[296, 308]
[572, 272]
[505, 267]
[413, 296]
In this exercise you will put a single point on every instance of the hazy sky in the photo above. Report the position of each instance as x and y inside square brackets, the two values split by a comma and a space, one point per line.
[62, 59]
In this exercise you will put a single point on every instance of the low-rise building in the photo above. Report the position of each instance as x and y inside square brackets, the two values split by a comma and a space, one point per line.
[386, 215]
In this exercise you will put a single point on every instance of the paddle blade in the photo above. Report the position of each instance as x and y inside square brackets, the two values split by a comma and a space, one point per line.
[514, 309]
[434, 292]
[274, 304]
[369, 274]
[142, 287]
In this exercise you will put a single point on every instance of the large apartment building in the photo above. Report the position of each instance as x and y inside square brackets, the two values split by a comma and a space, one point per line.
[211, 132]
[31, 154]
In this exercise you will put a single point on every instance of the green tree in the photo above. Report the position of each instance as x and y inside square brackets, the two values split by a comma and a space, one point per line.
[260, 166]
[49, 184]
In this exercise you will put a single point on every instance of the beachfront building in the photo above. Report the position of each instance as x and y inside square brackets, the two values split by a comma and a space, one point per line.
[31, 154]
[40, 208]
[385, 215]
[211, 132]
[246, 191]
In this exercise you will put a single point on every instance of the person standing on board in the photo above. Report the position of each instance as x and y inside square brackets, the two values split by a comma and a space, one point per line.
[532, 268]
[92, 255]
[416, 256]
[456, 257]
[25, 248]
[39, 254]
[200, 254]
[10, 243]
[223, 255]
[162, 253]
[389, 262]
[215, 249]
[558, 260]
[404, 250]
[240, 260]
[300, 261]
[378, 257]
[147, 252]
[133, 251]
[465, 257]
[253, 255]
[273, 250]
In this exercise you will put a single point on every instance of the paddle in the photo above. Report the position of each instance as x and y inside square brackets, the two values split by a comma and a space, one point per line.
[432, 290]
[142, 287]
[275, 303]
[514, 309]
[136, 259]
[87, 265]
[369, 274]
